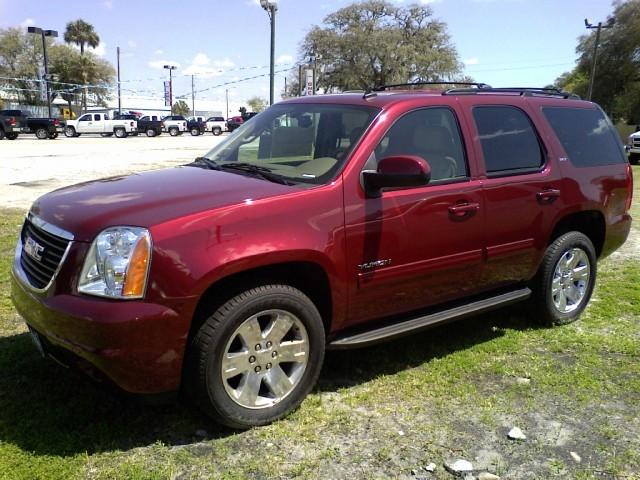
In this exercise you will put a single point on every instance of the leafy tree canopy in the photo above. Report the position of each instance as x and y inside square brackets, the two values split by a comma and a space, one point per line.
[257, 104]
[181, 108]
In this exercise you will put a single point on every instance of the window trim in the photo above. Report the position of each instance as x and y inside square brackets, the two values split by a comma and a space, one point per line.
[443, 181]
[544, 151]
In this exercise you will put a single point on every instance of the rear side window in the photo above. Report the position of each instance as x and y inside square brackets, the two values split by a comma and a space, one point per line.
[587, 136]
[509, 142]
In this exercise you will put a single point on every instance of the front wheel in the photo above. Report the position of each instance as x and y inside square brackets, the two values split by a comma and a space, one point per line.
[216, 131]
[120, 132]
[634, 158]
[195, 132]
[565, 281]
[69, 132]
[151, 132]
[256, 357]
[12, 136]
[173, 131]
[42, 133]
[53, 136]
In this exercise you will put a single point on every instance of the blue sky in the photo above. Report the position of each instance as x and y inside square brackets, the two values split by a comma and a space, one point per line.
[502, 42]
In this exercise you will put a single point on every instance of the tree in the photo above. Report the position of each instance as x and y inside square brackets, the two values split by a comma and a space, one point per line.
[243, 111]
[20, 58]
[181, 108]
[82, 33]
[257, 104]
[376, 42]
[617, 82]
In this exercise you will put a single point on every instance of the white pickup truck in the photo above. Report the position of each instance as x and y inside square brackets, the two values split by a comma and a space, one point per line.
[175, 125]
[633, 147]
[216, 125]
[99, 123]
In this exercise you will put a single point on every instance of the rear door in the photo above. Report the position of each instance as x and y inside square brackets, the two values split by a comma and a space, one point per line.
[521, 190]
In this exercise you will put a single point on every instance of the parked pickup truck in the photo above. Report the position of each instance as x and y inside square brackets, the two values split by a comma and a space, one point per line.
[197, 126]
[152, 125]
[216, 125]
[99, 123]
[633, 147]
[331, 222]
[175, 125]
[21, 121]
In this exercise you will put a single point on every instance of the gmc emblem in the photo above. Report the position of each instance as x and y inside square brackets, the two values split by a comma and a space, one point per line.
[33, 248]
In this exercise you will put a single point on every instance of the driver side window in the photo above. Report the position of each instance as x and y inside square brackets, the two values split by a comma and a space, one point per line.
[431, 134]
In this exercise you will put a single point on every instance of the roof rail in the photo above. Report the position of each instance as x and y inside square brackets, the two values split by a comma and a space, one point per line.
[524, 91]
[382, 88]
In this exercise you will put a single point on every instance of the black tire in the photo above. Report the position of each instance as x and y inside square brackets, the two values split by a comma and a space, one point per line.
[545, 311]
[120, 132]
[174, 132]
[634, 158]
[151, 132]
[53, 136]
[195, 132]
[70, 132]
[204, 380]
[2, 134]
[42, 133]
[12, 136]
[216, 131]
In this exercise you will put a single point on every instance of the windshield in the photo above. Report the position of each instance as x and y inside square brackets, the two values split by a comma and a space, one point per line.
[300, 142]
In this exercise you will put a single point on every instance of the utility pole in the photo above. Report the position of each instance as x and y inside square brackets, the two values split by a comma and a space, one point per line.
[227, 95]
[119, 97]
[597, 28]
[193, 98]
[271, 7]
[43, 34]
[170, 68]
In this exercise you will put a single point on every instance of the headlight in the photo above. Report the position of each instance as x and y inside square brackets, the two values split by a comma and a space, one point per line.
[117, 263]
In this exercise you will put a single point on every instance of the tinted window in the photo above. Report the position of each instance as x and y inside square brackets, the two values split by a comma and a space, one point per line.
[96, 118]
[509, 143]
[85, 118]
[587, 136]
[431, 134]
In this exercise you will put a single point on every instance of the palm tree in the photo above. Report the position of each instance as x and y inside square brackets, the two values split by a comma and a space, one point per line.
[82, 33]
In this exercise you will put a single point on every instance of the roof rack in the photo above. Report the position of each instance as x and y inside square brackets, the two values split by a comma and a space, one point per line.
[371, 92]
[524, 91]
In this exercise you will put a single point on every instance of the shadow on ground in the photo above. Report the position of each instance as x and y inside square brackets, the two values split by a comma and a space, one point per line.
[49, 410]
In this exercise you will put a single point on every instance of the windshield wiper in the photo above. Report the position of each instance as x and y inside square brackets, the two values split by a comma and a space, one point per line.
[257, 170]
[204, 162]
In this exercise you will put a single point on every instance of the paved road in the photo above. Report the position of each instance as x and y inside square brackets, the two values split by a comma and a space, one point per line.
[31, 167]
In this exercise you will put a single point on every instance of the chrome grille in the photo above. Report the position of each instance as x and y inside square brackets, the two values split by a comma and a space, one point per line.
[42, 254]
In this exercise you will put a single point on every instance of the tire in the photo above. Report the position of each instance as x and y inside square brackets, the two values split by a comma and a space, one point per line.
[2, 134]
[173, 131]
[12, 136]
[222, 333]
[562, 271]
[53, 136]
[195, 132]
[151, 132]
[120, 132]
[634, 158]
[42, 133]
[70, 132]
[216, 131]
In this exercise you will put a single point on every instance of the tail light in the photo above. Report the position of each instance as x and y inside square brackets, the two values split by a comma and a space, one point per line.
[131, 124]
[56, 122]
[161, 124]
[12, 122]
[629, 188]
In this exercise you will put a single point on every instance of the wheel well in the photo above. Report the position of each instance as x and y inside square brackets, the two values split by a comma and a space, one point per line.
[310, 278]
[591, 223]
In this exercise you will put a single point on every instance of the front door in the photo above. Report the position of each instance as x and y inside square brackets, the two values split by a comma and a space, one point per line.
[416, 247]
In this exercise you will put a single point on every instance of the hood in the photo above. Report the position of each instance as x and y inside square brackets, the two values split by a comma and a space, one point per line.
[147, 199]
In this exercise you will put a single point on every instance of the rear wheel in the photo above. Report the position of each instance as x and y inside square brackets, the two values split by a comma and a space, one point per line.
[42, 133]
[1, 134]
[151, 132]
[195, 132]
[12, 136]
[565, 281]
[69, 132]
[216, 131]
[53, 136]
[257, 357]
[173, 131]
[634, 158]
[120, 132]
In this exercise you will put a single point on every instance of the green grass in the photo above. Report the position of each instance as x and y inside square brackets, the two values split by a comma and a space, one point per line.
[452, 392]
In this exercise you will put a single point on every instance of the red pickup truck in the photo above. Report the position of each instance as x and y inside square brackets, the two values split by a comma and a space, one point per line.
[332, 221]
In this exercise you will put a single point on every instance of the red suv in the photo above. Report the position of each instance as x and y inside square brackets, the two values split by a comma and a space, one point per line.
[332, 221]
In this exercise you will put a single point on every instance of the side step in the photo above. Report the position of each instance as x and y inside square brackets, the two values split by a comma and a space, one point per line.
[412, 325]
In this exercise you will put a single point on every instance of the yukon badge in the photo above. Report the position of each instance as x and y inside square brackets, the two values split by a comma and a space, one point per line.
[33, 248]
[363, 267]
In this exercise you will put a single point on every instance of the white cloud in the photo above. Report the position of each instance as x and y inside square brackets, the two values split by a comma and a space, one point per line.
[471, 61]
[100, 50]
[27, 22]
[132, 44]
[253, 2]
[284, 59]
[159, 64]
[202, 66]
[159, 52]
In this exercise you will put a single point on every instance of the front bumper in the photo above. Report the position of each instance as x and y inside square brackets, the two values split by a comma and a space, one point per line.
[139, 346]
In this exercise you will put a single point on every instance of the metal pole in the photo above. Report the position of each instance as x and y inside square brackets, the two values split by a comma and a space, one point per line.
[300, 80]
[119, 98]
[46, 71]
[193, 98]
[595, 58]
[227, 95]
[285, 87]
[273, 52]
[171, 90]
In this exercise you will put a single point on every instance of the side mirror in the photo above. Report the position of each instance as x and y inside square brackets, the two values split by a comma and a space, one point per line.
[396, 172]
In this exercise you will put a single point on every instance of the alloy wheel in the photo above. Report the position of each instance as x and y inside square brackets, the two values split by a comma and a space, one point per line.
[570, 280]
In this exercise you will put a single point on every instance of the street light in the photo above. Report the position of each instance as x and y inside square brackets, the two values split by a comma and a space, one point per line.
[271, 6]
[170, 68]
[45, 33]
[597, 27]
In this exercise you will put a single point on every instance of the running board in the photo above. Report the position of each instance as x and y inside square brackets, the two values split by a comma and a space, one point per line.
[412, 325]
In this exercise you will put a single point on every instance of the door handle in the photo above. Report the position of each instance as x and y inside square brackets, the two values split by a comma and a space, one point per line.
[548, 195]
[463, 209]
